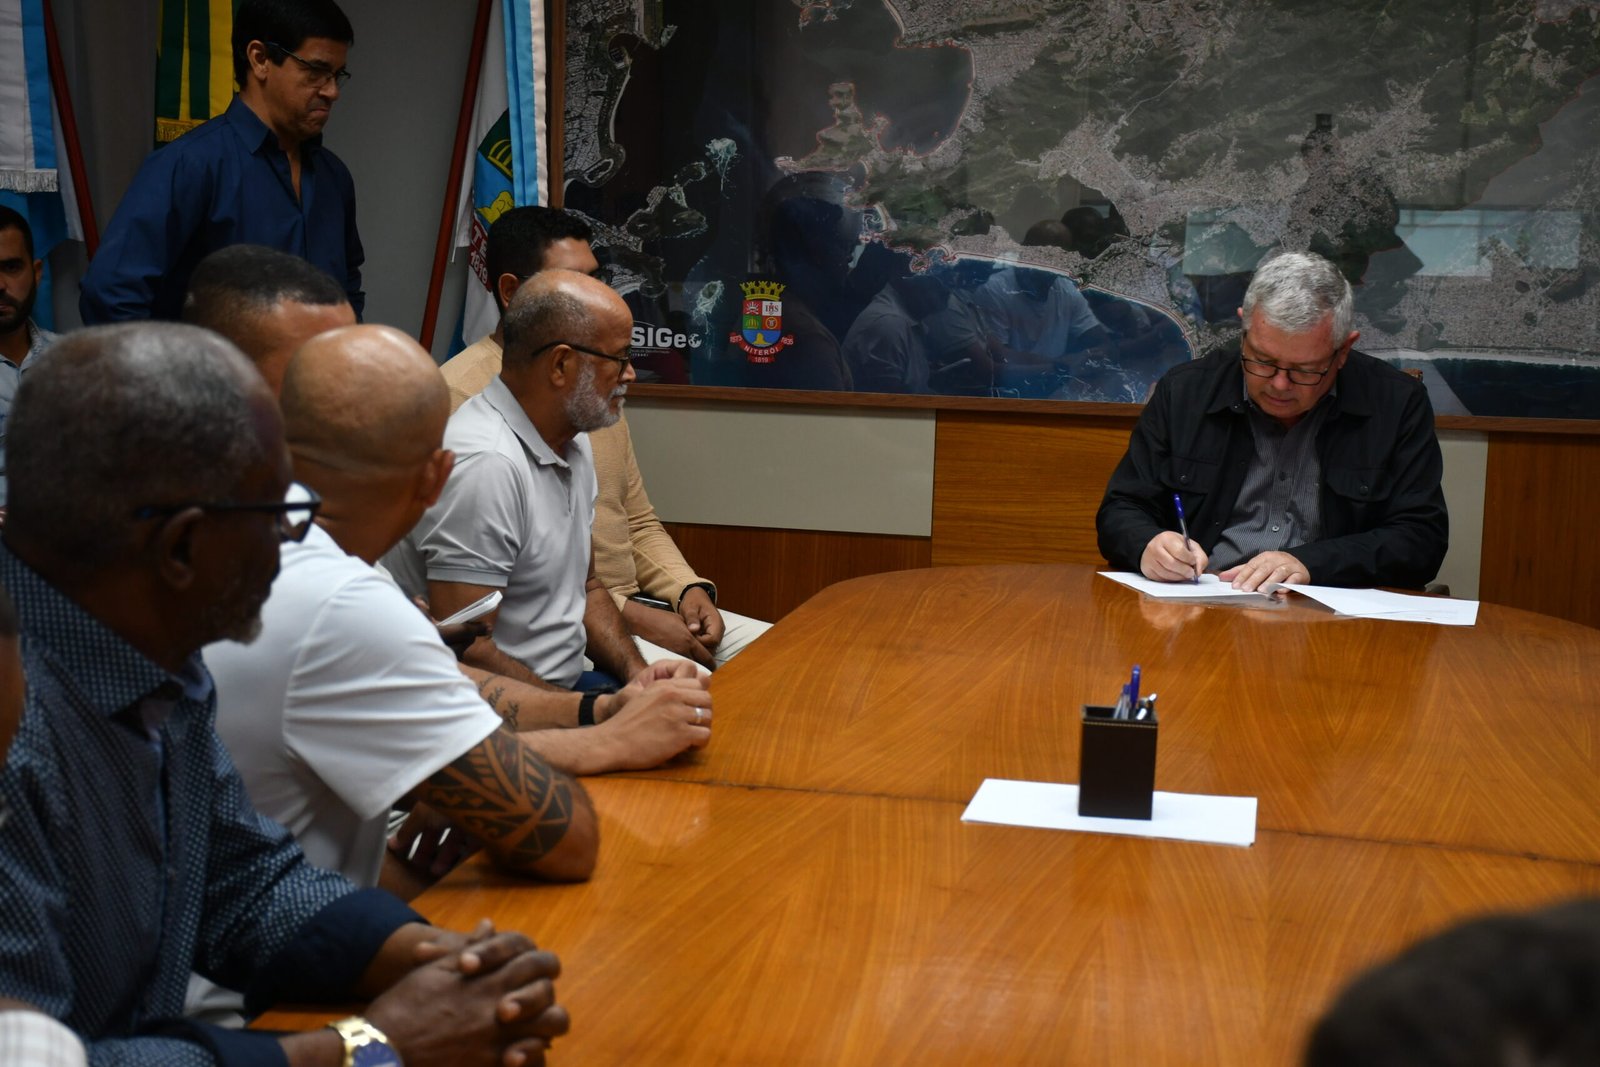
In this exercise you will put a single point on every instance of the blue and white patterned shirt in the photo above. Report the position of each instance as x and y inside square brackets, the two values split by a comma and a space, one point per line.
[103, 911]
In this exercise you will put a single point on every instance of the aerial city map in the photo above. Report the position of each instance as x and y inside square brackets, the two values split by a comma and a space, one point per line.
[1053, 200]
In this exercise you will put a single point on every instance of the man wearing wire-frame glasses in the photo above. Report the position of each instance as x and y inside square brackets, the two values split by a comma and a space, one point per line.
[1292, 458]
[256, 174]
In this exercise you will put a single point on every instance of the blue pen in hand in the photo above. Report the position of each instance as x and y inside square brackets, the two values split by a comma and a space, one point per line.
[1183, 528]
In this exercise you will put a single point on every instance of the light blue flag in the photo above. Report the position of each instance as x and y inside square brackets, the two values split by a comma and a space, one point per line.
[30, 139]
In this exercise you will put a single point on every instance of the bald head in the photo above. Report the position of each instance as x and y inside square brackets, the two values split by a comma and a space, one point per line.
[560, 305]
[363, 397]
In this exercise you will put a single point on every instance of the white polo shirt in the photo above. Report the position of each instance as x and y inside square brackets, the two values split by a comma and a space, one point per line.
[513, 516]
[346, 702]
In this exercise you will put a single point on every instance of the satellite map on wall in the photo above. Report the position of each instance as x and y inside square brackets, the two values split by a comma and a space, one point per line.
[1061, 200]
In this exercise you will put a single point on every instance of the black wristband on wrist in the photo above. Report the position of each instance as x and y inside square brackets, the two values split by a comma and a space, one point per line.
[711, 591]
[586, 708]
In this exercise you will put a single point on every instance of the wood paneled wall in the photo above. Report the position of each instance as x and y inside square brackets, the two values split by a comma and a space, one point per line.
[768, 573]
[1541, 511]
[1023, 488]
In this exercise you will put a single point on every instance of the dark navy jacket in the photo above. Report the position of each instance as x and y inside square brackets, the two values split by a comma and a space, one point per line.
[1383, 512]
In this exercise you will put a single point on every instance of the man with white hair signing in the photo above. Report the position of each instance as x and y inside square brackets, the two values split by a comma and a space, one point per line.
[1293, 457]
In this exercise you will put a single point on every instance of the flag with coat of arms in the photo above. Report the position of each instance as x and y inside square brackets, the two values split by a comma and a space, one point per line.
[508, 165]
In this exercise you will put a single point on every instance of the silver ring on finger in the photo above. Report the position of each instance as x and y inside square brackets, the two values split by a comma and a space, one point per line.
[699, 716]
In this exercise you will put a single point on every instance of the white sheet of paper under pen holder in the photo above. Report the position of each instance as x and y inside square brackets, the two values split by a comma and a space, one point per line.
[1174, 816]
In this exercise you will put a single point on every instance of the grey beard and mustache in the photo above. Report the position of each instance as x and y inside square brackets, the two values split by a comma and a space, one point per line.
[236, 616]
[586, 409]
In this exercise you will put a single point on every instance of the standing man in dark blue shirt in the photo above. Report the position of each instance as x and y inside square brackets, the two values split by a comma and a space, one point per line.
[131, 854]
[256, 174]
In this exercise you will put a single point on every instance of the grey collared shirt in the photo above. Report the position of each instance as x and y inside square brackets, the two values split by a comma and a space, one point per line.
[1279, 503]
[515, 516]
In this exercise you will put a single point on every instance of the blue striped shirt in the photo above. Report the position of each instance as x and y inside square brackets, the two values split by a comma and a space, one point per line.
[103, 911]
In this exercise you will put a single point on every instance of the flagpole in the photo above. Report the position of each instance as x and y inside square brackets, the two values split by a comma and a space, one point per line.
[447, 219]
[556, 94]
[69, 132]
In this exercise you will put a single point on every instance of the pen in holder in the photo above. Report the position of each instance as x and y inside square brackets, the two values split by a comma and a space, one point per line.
[1116, 764]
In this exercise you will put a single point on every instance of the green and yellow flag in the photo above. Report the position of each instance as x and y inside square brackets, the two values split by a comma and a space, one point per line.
[194, 64]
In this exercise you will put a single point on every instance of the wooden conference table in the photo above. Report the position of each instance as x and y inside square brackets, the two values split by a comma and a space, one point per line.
[804, 892]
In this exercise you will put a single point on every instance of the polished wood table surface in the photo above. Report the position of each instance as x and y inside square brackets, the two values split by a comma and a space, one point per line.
[804, 892]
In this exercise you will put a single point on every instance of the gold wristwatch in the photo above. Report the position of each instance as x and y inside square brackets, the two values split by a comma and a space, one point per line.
[364, 1044]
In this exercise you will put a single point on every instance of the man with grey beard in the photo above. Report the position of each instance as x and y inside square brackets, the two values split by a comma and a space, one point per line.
[516, 512]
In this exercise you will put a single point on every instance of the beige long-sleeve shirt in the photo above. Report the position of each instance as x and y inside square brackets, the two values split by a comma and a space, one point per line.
[632, 551]
[472, 368]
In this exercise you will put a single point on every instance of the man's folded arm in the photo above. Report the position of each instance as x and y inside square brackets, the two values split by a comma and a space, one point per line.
[530, 817]
[274, 926]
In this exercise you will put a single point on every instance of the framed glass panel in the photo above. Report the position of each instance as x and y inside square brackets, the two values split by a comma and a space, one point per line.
[1050, 200]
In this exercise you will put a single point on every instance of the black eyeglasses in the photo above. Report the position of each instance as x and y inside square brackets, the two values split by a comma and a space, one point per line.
[622, 362]
[295, 512]
[321, 73]
[1298, 375]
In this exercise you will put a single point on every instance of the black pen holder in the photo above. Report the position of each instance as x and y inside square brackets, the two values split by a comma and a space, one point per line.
[1116, 765]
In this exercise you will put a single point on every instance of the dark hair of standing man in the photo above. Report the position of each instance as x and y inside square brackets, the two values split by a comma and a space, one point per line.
[235, 283]
[518, 239]
[286, 23]
[11, 219]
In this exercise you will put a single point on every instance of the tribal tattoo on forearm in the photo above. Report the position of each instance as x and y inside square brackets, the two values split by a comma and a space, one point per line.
[503, 794]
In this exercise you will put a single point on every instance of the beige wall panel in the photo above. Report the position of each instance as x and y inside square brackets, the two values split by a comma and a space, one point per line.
[1466, 464]
[787, 468]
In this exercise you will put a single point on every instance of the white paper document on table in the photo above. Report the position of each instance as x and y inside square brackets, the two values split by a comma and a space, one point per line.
[1207, 588]
[1357, 603]
[1054, 806]
[1396, 607]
